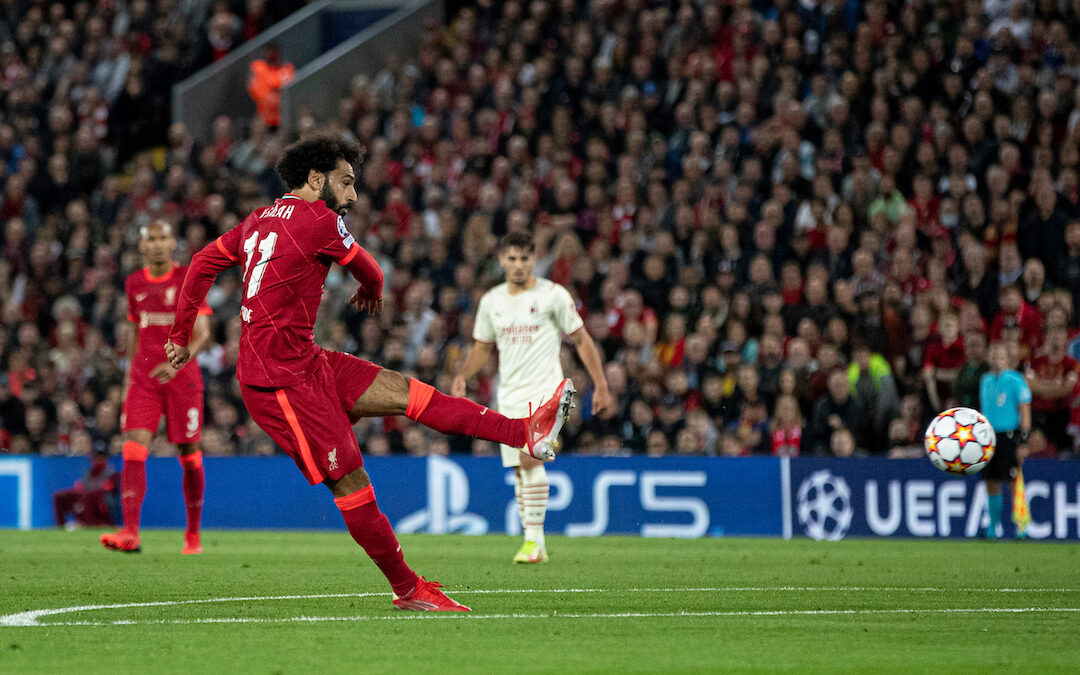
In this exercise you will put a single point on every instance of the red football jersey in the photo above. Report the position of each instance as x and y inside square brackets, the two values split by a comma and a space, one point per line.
[1028, 318]
[285, 251]
[1043, 368]
[152, 307]
[946, 357]
[786, 442]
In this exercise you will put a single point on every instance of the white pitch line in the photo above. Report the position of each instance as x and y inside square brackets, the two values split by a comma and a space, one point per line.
[30, 618]
[766, 589]
[571, 615]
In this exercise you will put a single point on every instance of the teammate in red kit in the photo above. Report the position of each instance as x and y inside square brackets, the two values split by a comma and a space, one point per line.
[154, 387]
[307, 398]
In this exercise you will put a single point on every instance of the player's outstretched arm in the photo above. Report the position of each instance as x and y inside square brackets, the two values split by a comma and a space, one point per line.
[205, 266]
[367, 272]
[330, 239]
[590, 356]
[478, 356]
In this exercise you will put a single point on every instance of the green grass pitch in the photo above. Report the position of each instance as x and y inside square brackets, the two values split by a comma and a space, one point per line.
[298, 602]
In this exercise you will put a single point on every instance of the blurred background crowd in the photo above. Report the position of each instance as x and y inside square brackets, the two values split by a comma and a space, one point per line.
[792, 227]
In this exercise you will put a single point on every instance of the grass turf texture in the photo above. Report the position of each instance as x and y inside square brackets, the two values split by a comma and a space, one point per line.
[801, 581]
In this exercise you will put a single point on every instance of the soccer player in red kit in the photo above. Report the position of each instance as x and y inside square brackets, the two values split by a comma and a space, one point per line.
[154, 387]
[307, 398]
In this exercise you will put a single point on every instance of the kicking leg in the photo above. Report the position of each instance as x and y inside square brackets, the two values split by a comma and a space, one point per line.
[194, 487]
[394, 394]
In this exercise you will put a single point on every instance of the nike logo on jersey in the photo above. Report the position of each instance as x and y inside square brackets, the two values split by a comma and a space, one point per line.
[483, 412]
[140, 297]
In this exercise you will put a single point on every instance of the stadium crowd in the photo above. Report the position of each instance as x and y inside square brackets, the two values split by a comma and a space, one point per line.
[791, 227]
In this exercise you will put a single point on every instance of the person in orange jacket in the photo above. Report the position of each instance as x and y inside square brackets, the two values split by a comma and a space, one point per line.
[268, 76]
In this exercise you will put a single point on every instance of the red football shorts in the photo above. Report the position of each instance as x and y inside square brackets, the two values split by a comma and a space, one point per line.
[352, 376]
[310, 420]
[181, 401]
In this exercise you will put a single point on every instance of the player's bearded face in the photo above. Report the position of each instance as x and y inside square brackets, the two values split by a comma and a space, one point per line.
[330, 199]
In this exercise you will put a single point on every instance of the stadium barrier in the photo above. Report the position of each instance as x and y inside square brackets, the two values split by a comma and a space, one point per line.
[304, 37]
[653, 497]
[321, 83]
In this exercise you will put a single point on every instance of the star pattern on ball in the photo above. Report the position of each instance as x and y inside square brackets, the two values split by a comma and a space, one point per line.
[964, 433]
[959, 446]
[956, 466]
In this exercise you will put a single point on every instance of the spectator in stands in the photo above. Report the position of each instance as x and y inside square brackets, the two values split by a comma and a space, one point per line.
[1014, 313]
[901, 444]
[786, 427]
[1039, 447]
[657, 444]
[1066, 264]
[944, 357]
[836, 411]
[965, 389]
[1053, 377]
[842, 443]
[873, 387]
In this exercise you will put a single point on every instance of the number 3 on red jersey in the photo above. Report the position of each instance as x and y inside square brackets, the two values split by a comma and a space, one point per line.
[266, 249]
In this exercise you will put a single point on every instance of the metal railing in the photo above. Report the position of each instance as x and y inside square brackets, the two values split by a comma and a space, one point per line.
[322, 75]
[320, 84]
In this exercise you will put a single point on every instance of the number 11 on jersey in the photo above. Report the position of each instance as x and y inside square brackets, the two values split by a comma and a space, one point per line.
[266, 249]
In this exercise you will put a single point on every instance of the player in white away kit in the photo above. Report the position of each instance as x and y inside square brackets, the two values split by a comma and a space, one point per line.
[525, 319]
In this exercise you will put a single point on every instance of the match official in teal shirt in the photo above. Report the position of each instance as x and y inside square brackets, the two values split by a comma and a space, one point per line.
[1005, 399]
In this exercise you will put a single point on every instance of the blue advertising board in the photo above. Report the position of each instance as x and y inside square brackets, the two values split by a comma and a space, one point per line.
[654, 497]
[837, 498]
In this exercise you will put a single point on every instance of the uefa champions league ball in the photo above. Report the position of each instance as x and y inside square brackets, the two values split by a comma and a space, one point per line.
[960, 440]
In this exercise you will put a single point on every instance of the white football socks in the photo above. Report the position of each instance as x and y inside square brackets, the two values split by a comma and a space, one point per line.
[518, 496]
[534, 499]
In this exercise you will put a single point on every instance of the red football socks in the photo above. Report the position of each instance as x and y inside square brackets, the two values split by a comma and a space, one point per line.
[452, 415]
[370, 528]
[194, 484]
[133, 484]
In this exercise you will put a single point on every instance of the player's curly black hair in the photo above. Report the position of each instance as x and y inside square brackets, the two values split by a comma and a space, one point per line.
[319, 151]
